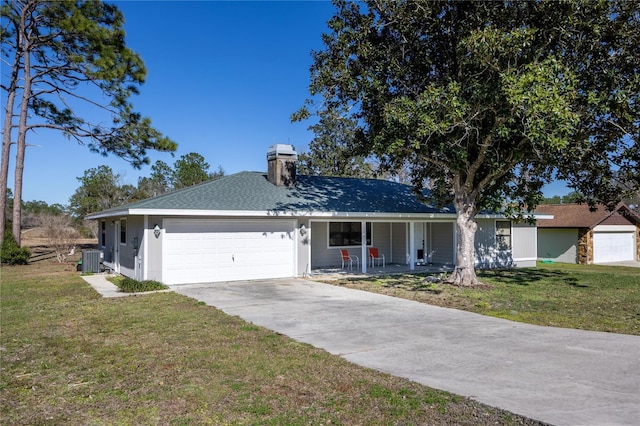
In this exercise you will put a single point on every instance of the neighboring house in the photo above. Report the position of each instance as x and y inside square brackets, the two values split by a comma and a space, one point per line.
[254, 225]
[578, 235]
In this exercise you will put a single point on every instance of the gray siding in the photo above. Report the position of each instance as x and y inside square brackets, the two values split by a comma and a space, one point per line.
[441, 242]
[399, 243]
[558, 244]
[129, 262]
[381, 239]
[485, 242]
[323, 256]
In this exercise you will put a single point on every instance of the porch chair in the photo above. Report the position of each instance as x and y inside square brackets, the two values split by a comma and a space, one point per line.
[374, 255]
[346, 258]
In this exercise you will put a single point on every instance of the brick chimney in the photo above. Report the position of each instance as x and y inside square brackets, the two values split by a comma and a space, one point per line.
[281, 165]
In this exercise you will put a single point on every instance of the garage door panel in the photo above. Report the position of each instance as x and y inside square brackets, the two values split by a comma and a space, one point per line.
[210, 250]
[613, 247]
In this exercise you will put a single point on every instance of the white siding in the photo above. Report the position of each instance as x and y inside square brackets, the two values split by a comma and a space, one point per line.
[558, 244]
[304, 247]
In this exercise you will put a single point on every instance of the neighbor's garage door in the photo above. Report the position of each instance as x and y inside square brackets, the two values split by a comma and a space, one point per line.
[196, 251]
[613, 247]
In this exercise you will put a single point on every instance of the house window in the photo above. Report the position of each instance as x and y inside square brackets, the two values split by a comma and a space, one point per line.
[103, 233]
[123, 231]
[342, 234]
[503, 235]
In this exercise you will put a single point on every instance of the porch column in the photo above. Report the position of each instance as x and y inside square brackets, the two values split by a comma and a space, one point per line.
[412, 246]
[363, 254]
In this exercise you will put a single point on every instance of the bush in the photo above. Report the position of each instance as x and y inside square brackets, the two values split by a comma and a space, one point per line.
[129, 285]
[12, 253]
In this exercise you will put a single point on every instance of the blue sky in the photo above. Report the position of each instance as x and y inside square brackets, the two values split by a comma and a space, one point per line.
[223, 80]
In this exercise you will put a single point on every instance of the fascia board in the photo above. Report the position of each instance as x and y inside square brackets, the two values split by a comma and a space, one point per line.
[269, 213]
[299, 213]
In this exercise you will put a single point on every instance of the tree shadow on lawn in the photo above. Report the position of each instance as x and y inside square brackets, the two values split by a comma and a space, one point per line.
[526, 276]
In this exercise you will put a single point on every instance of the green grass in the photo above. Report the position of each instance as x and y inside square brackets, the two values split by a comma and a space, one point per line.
[71, 357]
[587, 297]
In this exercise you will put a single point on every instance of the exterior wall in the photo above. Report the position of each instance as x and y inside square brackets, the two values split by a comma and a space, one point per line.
[323, 256]
[585, 246]
[130, 260]
[304, 247]
[129, 257]
[399, 242]
[523, 244]
[109, 241]
[381, 238]
[153, 253]
[558, 244]
[638, 242]
[442, 242]
[484, 242]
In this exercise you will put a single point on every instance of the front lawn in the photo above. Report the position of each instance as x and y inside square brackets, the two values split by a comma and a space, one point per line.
[587, 297]
[70, 357]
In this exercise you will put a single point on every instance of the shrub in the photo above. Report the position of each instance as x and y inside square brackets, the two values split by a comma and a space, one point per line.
[129, 285]
[12, 253]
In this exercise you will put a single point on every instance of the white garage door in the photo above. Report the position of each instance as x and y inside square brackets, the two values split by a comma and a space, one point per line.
[197, 251]
[613, 247]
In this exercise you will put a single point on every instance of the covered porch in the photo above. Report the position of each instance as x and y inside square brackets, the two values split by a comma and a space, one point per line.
[419, 245]
[393, 269]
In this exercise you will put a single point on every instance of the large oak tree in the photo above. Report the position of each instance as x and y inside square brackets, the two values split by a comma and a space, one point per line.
[488, 101]
[68, 69]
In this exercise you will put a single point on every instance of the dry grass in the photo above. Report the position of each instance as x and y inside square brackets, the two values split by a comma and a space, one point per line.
[72, 357]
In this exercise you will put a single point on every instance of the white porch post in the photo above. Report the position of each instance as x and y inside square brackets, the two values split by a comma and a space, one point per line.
[363, 255]
[145, 248]
[412, 246]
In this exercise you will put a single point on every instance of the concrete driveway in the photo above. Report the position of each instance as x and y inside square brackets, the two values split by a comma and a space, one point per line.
[559, 376]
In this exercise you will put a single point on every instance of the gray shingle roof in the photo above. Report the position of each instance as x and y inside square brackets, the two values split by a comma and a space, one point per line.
[251, 191]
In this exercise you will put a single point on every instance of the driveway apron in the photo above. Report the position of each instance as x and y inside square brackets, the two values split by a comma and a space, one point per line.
[556, 375]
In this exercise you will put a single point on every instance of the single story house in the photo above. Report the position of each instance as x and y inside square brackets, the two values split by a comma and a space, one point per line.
[578, 235]
[254, 225]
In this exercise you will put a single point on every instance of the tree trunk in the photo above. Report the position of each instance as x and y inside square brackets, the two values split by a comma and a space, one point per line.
[464, 274]
[7, 131]
[22, 140]
[4, 168]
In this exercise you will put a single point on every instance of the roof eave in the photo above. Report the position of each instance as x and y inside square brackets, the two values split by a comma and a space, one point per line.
[289, 214]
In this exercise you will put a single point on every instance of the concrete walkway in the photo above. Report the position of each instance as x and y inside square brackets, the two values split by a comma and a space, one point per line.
[102, 285]
[106, 288]
[559, 376]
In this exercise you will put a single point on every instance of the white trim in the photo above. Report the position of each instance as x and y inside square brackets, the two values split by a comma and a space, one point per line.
[614, 228]
[412, 245]
[363, 246]
[145, 251]
[525, 258]
[293, 214]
